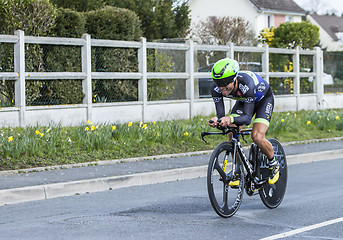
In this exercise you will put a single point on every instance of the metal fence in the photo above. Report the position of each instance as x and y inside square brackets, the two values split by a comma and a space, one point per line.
[70, 80]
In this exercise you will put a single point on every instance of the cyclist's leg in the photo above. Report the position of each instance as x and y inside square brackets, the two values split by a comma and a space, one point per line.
[264, 111]
[258, 135]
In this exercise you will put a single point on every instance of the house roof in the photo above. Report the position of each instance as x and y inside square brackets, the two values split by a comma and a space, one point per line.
[278, 5]
[330, 23]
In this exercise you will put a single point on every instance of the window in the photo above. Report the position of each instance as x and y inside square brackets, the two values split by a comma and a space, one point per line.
[288, 18]
[269, 22]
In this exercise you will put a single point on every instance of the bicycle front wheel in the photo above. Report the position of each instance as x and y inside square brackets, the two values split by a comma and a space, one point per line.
[222, 169]
[272, 195]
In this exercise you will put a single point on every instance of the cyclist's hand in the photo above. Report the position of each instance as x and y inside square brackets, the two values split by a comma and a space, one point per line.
[213, 122]
[225, 121]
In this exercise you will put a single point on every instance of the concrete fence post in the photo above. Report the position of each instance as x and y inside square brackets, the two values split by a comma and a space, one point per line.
[190, 80]
[319, 69]
[296, 83]
[231, 51]
[87, 69]
[19, 67]
[265, 62]
[143, 82]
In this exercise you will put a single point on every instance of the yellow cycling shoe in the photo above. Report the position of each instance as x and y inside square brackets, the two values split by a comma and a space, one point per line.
[234, 183]
[274, 172]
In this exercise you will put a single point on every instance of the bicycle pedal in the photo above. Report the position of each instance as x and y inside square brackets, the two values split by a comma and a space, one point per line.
[252, 187]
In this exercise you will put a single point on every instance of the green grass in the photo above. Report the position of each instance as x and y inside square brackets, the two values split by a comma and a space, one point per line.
[55, 145]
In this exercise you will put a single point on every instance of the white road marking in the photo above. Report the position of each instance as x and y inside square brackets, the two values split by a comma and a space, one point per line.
[304, 229]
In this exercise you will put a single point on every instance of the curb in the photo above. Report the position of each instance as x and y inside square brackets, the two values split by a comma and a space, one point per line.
[48, 191]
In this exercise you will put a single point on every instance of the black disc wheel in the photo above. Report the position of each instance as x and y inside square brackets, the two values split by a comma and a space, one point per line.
[272, 195]
[222, 169]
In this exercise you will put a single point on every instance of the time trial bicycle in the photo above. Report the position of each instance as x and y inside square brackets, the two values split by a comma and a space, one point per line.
[229, 159]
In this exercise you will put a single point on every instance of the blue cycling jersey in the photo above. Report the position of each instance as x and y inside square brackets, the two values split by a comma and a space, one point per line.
[253, 95]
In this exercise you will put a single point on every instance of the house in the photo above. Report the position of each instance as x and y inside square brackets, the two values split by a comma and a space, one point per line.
[330, 30]
[260, 13]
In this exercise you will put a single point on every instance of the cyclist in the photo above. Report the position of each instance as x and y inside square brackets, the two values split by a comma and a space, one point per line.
[254, 96]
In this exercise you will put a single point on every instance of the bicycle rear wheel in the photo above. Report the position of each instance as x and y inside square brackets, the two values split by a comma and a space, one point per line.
[224, 199]
[272, 195]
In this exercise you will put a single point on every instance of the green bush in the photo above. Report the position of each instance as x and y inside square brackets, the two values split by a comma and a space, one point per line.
[54, 92]
[80, 5]
[289, 35]
[69, 23]
[113, 23]
[159, 89]
[34, 17]
[160, 18]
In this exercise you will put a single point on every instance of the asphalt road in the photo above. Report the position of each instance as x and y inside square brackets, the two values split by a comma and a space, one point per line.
[181, 210]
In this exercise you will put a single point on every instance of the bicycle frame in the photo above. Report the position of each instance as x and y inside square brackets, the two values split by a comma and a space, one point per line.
[252, 171]
[236, 134]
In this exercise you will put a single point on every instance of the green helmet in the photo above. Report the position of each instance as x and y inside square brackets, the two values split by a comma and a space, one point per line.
[225, 72]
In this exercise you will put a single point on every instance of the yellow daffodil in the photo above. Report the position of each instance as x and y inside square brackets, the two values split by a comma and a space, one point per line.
[282, 120]
[48, 130]
[337, 117]
[86, 129]
[69, 140]
[308, 122]
[37, 132]
[114, 127]
[186, 134]
[144, 126]
[42, 134]
[89, 122]
[10, 138]
[154, 122]
[92, 128]
[130, 124]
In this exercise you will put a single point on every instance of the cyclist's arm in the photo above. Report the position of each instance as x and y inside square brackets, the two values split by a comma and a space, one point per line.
[218, 101]
[247, 88]
[245, 118]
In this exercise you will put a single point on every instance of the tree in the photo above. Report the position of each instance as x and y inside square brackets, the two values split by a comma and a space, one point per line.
[159, 18]
[289, 35]
[221, 30]
[182, 19]
[80, 6]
